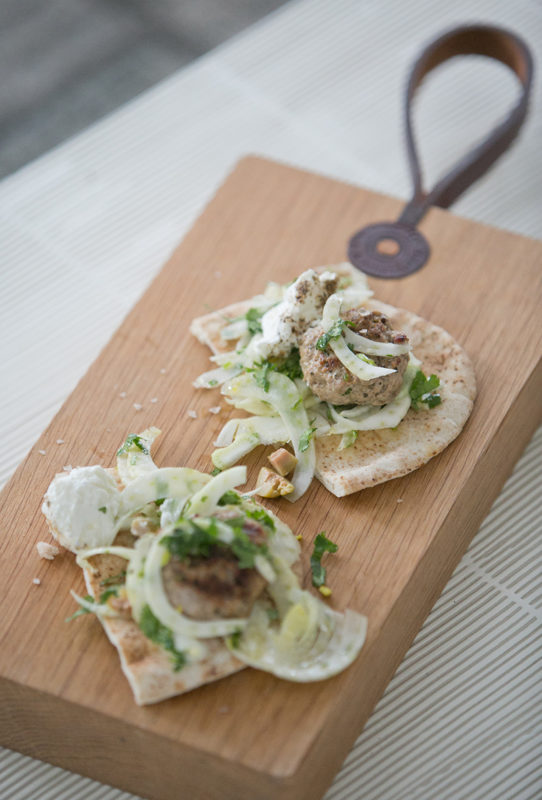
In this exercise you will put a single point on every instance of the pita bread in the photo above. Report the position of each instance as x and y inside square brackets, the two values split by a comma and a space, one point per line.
[148, 667]
[379, 456]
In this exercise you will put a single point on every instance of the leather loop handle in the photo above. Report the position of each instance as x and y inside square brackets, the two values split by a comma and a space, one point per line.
[483, 40]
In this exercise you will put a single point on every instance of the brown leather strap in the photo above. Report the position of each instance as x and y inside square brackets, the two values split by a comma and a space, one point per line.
[468, 40]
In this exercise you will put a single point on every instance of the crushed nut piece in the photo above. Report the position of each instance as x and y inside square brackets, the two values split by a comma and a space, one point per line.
[46, 550]
[162, 371]
[36, 581]
[138, 406]
[154, 399]
[272, 485]
[214, 410]
[283, 461]
[192, 414]
[122, 394]
[60, 441]
[41, 452]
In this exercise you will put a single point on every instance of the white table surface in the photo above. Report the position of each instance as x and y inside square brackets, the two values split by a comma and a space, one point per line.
[84, 229]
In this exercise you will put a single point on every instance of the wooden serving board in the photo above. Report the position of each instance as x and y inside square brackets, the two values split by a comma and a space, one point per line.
[63, 697]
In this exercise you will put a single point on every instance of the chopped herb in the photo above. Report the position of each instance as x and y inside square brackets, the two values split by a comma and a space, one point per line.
[261, 374]
[346, 376]
[245, 550]
[133, 441]
[261, 515]
[422, 390]
[235, 639]
[82, 610]
[114, 579]
[348, 391]
[213, 382]
[230, 498]
[305, 439]
[333, 333]
[272, 613]
[215, 471]
[103, 509]
[321, 545]
[297, 404]
[153, 629]
[195, 540]
[159, 501]
[104, 597]
[290, 366]
[366, 359]
[253, 318]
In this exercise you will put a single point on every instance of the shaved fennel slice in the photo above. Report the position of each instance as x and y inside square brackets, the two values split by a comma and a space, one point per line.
[283, 395]
[205, 501]
[361, 369]
[135, 459]
[215, 377]
[134, 575]
[234, 329]
[160, 606]
[100, 609]
[388, 416]
[309, 643]
[250, 433]
[253, 406]
[175, 482]
[227, 433]
[371, 348]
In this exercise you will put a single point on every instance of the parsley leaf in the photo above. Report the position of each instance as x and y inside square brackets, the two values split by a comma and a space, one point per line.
[261, 515]
[215, 471]
[114, 579]
[230, 498]
[290, 366]
[422, 390]
[321, 545]
[133, 442]
[103, 509]
[261, 374]
[104, 597]
[235, 638]
[333, 333]
[153, 629]
[82, 610]
[305, 439]
[253, 318]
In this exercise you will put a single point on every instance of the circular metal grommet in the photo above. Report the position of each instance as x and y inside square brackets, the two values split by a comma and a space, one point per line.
[408, 252]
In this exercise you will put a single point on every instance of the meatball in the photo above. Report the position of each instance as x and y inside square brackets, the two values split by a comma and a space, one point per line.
[215, 586]
[331, 381]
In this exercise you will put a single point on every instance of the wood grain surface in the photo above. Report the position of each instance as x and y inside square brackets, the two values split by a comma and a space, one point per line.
[63, 697]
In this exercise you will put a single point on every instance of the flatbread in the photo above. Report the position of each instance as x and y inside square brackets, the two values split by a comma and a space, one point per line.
[148, 667]
[379, 456]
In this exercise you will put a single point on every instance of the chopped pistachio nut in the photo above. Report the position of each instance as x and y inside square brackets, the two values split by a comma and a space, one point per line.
[283, 461]
[272, 485]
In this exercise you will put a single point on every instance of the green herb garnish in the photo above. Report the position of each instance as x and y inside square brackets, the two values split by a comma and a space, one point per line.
[333, 333]
[261, 515]
[422, 390]
[305, 439]
[114, 579]
[133, 441]
[230, 498]
[103, 509]
[290, 366]
[213, 382]
[253, 318]
[261, 374]
[104, 597]
[153, 629]
[321, 545]
[235, 639]
[82, 610]
[194, 540]
[272, 613]
[366, 359]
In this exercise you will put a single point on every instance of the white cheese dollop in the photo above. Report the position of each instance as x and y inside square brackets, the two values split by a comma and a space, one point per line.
[303, 303]
[81, 507]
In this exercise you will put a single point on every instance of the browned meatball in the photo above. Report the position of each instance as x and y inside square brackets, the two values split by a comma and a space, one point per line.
[215, 586]
[331, 381]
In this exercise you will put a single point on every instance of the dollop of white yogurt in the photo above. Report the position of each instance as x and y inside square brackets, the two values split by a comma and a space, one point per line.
[81, 507]
[303, 303]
